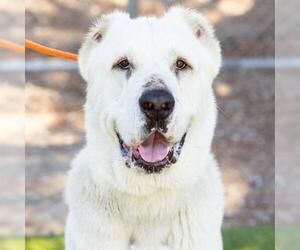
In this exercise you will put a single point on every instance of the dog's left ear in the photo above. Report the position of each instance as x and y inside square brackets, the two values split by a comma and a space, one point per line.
[203, 31]
[196, 21]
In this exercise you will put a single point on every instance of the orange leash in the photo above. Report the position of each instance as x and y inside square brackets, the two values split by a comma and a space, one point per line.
[38, 48]
[11, 46]
[49, 51]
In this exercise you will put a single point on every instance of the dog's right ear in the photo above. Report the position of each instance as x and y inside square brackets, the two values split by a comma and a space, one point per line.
[95, 36]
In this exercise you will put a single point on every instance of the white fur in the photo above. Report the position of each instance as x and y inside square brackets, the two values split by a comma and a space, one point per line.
[112, 207]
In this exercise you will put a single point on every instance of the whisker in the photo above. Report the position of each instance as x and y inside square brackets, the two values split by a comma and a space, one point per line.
[222, 111]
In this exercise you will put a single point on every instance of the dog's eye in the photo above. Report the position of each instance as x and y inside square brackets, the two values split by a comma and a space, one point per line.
[124, 64]
[180, 64]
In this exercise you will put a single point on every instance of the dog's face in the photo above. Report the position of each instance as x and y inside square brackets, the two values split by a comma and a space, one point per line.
[149, 83]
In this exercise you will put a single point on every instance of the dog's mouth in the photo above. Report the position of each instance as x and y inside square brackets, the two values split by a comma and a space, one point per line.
[153, 154]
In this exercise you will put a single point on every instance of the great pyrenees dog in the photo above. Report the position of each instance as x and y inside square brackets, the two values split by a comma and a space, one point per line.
[146, 178]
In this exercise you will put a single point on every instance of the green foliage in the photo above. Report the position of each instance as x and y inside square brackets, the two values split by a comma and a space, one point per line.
[45, 243]
[12, 244]
[249, 238]
[252, 238]
[288, 237]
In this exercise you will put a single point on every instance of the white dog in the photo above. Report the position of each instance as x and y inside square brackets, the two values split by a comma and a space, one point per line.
[146, 178]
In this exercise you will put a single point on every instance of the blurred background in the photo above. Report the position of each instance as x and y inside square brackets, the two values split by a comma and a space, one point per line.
[244, 139]
[287, 124]
[12, 97]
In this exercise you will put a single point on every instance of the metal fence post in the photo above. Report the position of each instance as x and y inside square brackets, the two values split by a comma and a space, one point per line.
[133, 8]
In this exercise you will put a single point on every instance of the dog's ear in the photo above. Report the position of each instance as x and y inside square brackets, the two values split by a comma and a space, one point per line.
[203, 31]
[101, 24]
[95, 35]
[196, 21]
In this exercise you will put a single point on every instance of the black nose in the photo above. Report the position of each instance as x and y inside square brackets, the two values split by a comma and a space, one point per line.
[157, 104]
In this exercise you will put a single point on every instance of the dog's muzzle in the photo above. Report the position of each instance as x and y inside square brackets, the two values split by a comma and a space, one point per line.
[155, 151]
[153, 154]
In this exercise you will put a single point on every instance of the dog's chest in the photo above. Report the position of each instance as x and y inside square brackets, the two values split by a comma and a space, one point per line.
[154, 208]
[149, 218]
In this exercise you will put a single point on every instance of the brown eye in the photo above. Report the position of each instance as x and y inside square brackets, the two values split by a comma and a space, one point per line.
[180, 64]
[124, 64]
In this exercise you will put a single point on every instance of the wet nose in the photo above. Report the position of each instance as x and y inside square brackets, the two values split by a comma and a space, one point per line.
[157, 104]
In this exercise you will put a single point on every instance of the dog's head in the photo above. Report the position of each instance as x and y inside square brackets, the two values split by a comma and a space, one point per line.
[149, 88]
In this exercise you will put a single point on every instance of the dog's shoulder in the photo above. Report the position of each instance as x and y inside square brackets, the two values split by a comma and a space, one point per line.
[87, 189]
[77, 178]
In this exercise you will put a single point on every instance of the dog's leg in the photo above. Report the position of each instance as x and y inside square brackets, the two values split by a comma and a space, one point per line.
[196, 230]
[94, 221]
[94, 232]
[198, 225]
[69, 241]
[153, 248]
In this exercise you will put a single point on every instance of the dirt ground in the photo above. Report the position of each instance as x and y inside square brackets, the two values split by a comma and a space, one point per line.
[245, 28]
[244, 140]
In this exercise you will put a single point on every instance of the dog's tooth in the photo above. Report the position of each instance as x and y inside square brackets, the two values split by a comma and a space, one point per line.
[174, 159]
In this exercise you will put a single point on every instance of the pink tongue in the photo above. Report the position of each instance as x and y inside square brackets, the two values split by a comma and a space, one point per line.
[154, 149]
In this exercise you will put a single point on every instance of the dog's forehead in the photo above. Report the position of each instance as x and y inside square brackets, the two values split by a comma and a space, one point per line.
[145, 30]
[156, 37]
